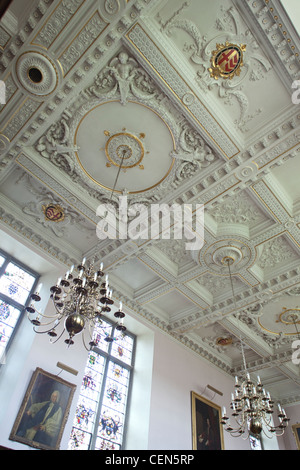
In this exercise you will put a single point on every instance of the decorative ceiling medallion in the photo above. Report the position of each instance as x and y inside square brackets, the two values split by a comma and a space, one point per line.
[36, 73]
[124, 150]
[53, 212]
[227, 60]
[289, 316]
[281, 316]
[238, 252]
[120, 157]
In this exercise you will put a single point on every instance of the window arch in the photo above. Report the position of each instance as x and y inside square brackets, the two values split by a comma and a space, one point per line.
[17, 283]
[100, 418]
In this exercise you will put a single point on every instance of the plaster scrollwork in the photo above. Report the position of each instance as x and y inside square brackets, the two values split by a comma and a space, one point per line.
[192, 148]
[110, 8]
[57, 22]
[42, 198]
[228, 28]
[124, 75]
[274, 252]
[54, 145]
[123, 79]
[238, 209]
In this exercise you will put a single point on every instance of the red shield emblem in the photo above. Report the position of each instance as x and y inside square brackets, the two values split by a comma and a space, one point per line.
[227, 60]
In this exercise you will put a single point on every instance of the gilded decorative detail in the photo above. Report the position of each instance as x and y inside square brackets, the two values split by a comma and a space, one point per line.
[227, 61]
[80, 44]
[124, 149]
[53, 212]
[59, 19]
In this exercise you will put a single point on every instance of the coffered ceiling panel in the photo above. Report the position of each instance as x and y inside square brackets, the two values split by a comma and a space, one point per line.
[141, 103]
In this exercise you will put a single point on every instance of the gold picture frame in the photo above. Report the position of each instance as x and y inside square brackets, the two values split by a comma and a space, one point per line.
[296, 432]
[44, 411]
[207, 431]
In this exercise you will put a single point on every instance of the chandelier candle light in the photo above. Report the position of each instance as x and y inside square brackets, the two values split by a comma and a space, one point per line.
[79, 299]
[252, 407]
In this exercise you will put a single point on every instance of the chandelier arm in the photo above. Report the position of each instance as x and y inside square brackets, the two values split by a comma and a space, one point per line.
[42, 314]
[54, 341]
[42, 332]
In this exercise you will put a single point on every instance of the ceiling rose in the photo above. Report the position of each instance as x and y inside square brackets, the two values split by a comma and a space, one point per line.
[239, 252]
[37, 73]
[280, 316]
[135, 135]
[125, 150]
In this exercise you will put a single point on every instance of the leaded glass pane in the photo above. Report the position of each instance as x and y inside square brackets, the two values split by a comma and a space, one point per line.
[122, 349]
[85, 413]
[16, 283]
[111, 425]
[8, 319]
[79, 440]
[102, 335]
[89, 392]
[103, 444]
[116, 387]
[104, 391]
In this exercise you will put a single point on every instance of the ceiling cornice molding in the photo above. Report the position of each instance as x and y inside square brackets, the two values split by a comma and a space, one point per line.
[275, 32]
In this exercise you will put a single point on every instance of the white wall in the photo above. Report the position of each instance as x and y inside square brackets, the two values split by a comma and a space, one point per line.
[288, 441]
[176, 372]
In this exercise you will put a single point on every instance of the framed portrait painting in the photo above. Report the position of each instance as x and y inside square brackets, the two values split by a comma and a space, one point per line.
[296, 432]
[207, 432]
[44, 411]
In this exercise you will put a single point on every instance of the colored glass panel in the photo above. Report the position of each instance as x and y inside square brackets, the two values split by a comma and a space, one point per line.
[102, 334]
[8, 319]
[103, 395]
[103, 444]
[122, 349]
[79, 440]
[111, 425]
[16, 283]
[15, 287]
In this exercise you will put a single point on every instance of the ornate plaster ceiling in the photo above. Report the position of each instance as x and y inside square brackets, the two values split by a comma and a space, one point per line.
[91, 85]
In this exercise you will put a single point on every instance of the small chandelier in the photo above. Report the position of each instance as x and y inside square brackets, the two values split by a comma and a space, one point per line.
[79, 299]
[252, 407]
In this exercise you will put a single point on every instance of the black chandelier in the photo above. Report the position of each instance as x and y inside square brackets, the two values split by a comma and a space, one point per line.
[80, 299]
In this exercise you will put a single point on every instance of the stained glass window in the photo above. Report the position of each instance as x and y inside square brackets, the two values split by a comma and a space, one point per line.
[100, 416]
[16, 284]
[255, 442]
